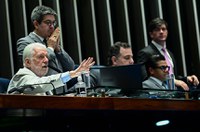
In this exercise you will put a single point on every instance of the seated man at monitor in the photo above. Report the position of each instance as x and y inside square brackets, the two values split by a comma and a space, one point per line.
[157, 70]
[35, 60]
[120, 53]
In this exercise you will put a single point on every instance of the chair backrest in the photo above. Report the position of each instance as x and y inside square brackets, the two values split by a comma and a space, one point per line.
[4, 82]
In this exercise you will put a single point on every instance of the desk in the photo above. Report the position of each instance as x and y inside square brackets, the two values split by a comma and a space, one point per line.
[89, 103]
[112, 113]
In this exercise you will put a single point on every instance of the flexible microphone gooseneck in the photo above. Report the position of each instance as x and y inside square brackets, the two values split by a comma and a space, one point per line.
[30, 87]
[21, 89]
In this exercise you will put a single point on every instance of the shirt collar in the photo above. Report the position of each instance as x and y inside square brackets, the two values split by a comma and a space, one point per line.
[157, 80]
[41, 38]
[158, 46]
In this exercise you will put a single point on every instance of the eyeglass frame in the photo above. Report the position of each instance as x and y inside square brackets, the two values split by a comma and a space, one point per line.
[163, 68]
[49, 22]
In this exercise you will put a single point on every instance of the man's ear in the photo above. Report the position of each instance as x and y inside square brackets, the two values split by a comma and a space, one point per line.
[35, 24]
[150, 34]
[27, 62]
[151, 70]
[114, 59]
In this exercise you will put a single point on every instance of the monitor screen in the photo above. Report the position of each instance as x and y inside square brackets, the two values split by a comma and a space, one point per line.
[127, 78]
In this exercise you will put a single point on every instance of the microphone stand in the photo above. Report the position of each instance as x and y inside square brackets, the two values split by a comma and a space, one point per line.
[30, 87]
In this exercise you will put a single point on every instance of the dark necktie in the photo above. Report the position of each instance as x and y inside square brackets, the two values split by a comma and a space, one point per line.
[164, 84]
[45, 42]
[167, 60]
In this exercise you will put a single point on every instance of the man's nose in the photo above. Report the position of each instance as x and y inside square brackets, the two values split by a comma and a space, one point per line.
[161, 30]
[52, 26]
[131, 61]
[46, 59]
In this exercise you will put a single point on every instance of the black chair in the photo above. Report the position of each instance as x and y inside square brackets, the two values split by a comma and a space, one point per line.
[4, 82]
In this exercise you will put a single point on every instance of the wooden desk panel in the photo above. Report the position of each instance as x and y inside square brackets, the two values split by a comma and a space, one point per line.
[59, 113]
[89, 103]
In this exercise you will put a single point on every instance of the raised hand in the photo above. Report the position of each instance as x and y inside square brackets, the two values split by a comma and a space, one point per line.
[84, 66]
[54, 40]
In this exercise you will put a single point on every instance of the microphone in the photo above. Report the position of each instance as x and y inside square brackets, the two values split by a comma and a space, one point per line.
[27, 88]
[21, 89]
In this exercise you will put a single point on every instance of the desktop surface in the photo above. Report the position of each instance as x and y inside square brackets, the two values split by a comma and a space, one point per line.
[61, 113]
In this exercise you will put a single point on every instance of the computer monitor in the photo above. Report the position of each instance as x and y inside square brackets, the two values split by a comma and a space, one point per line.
[128, 78]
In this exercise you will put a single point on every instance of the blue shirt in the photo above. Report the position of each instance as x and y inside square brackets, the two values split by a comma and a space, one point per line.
[65, 77]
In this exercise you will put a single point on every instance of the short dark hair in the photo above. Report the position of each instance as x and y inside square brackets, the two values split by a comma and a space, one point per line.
[156, 22]
[40, 11]
[152, 61]
[115, 50]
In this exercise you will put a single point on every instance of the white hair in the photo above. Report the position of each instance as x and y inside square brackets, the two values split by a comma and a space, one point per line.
[29, 50]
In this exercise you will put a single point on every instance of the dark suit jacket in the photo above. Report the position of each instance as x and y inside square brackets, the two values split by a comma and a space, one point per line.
[148, 51]
[65, 62]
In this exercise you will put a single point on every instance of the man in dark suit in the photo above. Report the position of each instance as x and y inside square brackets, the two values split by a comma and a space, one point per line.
[45, 32]
[119, 54]
[158, 32]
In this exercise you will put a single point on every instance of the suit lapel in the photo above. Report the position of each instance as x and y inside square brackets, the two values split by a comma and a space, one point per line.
[154, 50]
[35, 38]
[156, 83]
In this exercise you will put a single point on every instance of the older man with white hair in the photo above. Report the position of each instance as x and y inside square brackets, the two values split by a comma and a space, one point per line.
[35, 61]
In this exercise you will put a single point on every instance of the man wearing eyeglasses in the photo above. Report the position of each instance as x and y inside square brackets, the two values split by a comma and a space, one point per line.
[157, 71]
[45, 32]
[158, 32]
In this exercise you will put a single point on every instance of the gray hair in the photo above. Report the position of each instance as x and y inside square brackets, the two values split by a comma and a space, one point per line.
[29, 50]
[40, 11]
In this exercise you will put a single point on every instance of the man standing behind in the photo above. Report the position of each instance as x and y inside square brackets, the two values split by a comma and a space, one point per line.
[158, 32]
[44, 22]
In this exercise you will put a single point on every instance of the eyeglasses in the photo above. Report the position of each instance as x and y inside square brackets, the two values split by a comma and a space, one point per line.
[164, 68]
[49, 23]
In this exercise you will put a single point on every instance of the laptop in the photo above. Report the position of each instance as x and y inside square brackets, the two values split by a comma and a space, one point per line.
[127, 78]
